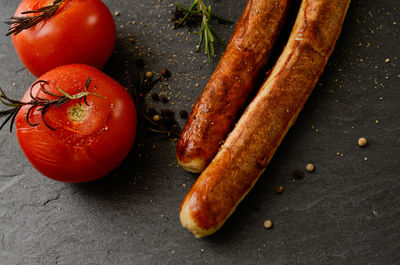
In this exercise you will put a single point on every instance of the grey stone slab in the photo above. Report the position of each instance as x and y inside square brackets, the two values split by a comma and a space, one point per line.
[346, 212]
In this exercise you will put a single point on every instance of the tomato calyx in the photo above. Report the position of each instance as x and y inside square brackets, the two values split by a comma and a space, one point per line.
[18, 24]
[76, 112]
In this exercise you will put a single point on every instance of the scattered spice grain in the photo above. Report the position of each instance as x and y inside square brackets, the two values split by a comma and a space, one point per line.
[362, 141]
[140, 63]
[279, 189]
[149, 74]
[310, 167]
[156, 117]
[155, 97]
[164, 99]
[184, 115]
[267, 224]
[298, 174]
[152, 112]
[165, 73]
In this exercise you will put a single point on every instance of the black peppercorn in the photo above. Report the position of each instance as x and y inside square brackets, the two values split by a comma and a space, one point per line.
[297, 174]
[140, 63]
[183, 114]
[164, 99]
[168, 117]
[165, 73]
[155, 97]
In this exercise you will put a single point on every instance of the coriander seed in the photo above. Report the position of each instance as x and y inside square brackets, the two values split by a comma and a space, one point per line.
[362, 141]
[156, 117]
[267, 224]
[310, 167]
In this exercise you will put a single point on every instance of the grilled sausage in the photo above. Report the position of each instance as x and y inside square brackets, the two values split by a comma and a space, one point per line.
[252, 143]
[215, 111]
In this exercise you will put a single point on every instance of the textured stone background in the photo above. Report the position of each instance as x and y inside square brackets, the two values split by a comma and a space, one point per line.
[346, 212]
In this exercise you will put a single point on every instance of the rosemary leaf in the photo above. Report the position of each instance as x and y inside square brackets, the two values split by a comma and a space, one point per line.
[206, 34]
[40, 104]
[18, 24]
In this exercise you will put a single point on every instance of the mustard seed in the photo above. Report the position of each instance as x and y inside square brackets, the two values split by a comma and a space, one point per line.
[362, 141]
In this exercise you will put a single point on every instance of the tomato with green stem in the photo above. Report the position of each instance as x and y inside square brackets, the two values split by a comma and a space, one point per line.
[75, 124]
[47, 34]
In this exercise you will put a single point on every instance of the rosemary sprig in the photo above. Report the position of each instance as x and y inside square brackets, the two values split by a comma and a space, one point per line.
[18, 24]
[44, 104]
[207, 35]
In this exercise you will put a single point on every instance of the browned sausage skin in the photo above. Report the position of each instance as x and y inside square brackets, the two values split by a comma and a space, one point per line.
[250, 146]
[215, 111]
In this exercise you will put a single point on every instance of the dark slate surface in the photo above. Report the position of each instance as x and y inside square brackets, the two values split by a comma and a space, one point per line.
[346, 212]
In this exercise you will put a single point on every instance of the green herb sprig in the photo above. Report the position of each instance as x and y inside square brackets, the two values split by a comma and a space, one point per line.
[207, 35]
[18, 24]
[44, 104]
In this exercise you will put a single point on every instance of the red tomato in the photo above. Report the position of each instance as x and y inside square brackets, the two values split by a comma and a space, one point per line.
[87, 141]
[80, 31]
